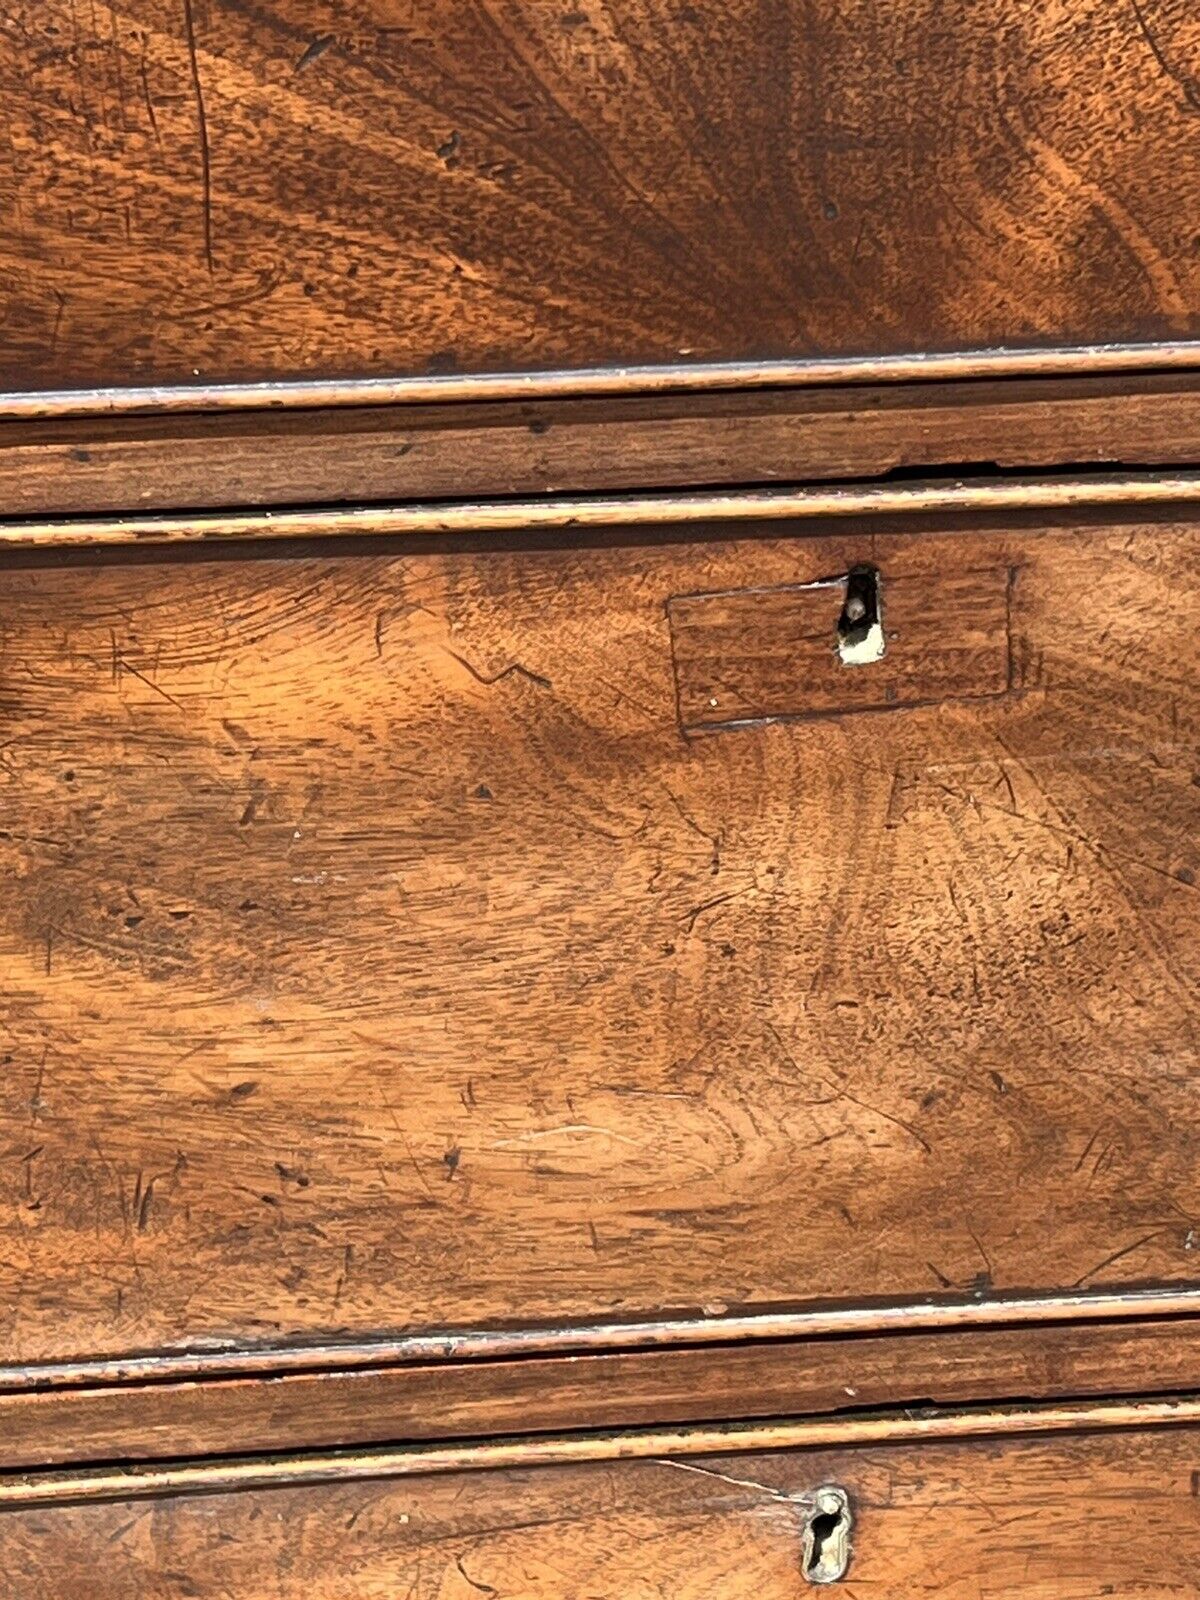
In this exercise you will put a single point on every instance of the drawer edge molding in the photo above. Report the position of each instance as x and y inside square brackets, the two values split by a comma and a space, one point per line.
[1062, 1363]
[102, 466]
[578, 1339]
[283, 1471]
[634, 379]
[576, 514]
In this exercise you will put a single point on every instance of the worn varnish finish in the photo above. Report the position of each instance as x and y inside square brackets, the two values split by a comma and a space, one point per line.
[384, 453]
[382, 956]
[323, 1409]
[206, 192]
[1067, 1518]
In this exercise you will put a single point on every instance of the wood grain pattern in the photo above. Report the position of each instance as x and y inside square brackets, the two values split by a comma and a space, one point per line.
[322, 1409]
[380, 957]
[388, 453]
[1048, 1519]
[231, 191]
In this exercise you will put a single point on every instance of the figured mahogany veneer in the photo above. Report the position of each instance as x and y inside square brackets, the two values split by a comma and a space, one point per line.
[204, 193]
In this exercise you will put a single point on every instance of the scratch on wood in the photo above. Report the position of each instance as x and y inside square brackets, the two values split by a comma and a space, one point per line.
[505, 672]
[150, 684]
[202, 132]
[481, 1588]
[149, 99]
[724, 1477]
[1118, 1255]
[1191, 89]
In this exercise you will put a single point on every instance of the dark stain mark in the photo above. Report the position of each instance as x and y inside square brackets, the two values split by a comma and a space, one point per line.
[343, 1275]
[1000, 1083]
[449, 148]
[32, 1201]
[451, 1159]
[242, 1091]
[314, 52]
[292, 1175]
[79, 454]
[483, 792]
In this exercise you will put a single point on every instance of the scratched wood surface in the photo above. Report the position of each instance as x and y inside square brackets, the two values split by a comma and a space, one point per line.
[1052, 1519]
[616, 1389]
[208, 189]
[379, 955]
[365, 453]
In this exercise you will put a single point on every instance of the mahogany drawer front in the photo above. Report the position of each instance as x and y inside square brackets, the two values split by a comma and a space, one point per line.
[1063, 1518]
[220, 193]
[401, 941]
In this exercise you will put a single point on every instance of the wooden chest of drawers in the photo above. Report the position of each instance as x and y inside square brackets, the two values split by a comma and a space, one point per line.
[599, 800]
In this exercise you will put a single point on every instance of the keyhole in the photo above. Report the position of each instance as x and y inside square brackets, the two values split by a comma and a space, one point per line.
[860, 639]
[827, 1536]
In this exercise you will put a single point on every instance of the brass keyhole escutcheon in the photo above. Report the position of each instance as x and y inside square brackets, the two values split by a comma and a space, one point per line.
[826, 1548]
